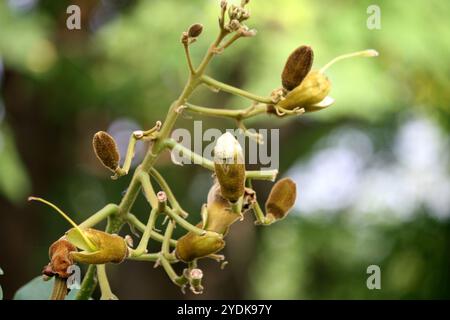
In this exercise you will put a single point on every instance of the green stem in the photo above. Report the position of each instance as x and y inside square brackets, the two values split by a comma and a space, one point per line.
[99, 216]
[188, 58]
[188, 154]
[142, 247]
[165, 248]
[149, 257]
[237, 114]
[259, 215]
[233, 90]
[270, 175]
[131, 218]
[184, 224]
[147, 187]
[165, 187]
[176, 279]
[104, 284]
[88, 285]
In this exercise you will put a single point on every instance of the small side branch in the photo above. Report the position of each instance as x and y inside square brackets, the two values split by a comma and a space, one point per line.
[99, 216]
[142, 247]
[147, 187]
[133, 220]
[233, 90]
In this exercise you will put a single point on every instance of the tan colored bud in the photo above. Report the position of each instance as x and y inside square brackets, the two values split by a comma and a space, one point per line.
[229, 167]
[219, 217]
[297, 66]
[313, 89]
[281, 199]
[108, 247]
[106, 150]
[195, 30]
[191, 246]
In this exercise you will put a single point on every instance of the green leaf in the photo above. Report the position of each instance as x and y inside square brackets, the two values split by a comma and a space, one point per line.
[38, 289]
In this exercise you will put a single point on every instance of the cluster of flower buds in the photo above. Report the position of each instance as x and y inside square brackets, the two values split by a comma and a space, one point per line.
[236, 16]
[228, 190]
[190, 36]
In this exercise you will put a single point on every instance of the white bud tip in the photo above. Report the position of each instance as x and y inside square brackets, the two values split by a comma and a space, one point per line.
[227, 147]
[371, 53]
[196, 274]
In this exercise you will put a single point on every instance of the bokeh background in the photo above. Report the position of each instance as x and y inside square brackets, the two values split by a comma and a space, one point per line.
[372, 170]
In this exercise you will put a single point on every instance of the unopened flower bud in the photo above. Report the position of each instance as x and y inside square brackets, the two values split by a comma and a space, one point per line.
[297, 66]
[312, 90]
[192, 246]
[195, 30]
[281, 199]
[229, 167]
[106, 150]
[108, 247]
[195, 281]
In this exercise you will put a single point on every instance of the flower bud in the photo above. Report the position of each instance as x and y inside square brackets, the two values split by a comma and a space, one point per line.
[195, 30]
[106, 150]
[297, 66]
[229, 167]
[281, 199]
[191, 246]
[220, 216]
[312, 90]
[108, 247]
[195, 277]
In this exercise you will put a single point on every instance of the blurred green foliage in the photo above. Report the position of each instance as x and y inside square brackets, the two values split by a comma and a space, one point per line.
[61, 86]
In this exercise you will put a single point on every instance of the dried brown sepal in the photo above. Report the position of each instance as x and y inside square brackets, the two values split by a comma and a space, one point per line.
[195, 30]
[313, 89]
[60, 259]
[281, 199]
[106, 150]
[297, 66]
[191, 246]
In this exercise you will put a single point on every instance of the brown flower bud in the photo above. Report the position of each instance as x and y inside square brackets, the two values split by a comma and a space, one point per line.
[297, 66]
[195, 30]
[106, 150]
[108, 247]
[281, 199]
[229, 167]
[311, 91]
[191, 246]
